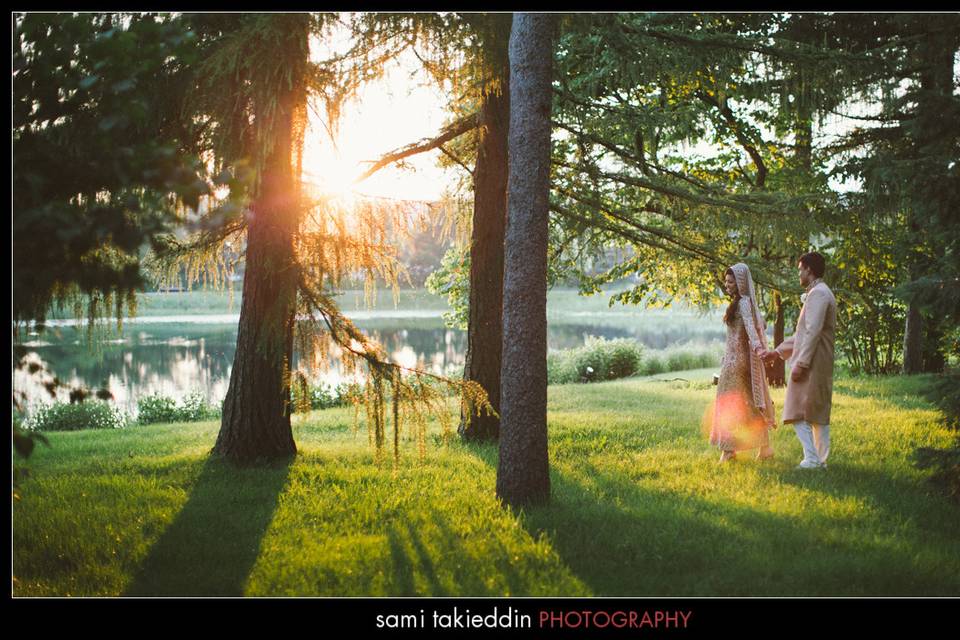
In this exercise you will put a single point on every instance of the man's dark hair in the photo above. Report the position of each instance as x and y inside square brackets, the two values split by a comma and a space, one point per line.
[815, 262]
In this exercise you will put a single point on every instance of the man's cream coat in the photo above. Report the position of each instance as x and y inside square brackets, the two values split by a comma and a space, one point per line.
[811, 345]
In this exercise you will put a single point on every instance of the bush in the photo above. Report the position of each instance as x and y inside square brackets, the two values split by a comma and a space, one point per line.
[685, 359]
[308, 397]
[160, 408]
[601, 359]
[652, 365]
[598, 359]
[156, 408]
[62, 416]
[194, 408]
[560, 367]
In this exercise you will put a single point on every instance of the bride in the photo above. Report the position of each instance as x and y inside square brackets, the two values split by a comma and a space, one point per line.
[743, 412]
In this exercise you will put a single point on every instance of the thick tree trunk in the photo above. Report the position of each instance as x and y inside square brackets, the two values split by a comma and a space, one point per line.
[775, 372]
[255, 425]
[934, 360]
[485, 329]
[523, 476]
[913, 341]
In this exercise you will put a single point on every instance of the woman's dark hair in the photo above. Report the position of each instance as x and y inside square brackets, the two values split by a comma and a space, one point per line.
[815, 262]
[732, 309]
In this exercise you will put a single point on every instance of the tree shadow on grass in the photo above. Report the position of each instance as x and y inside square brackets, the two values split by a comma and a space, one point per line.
[907, 499]
[624, 535]
[901, 392]
[212, 544]
[429, 558]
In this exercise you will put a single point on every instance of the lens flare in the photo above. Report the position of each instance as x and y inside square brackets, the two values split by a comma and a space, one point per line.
[730, 423]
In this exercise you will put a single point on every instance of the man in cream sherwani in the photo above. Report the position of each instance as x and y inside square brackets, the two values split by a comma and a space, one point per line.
[809, 352]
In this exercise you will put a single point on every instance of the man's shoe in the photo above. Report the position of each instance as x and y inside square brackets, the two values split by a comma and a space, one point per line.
[811, 465]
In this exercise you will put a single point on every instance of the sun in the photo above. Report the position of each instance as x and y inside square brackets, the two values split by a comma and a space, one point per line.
[326, 170]
[387, 114]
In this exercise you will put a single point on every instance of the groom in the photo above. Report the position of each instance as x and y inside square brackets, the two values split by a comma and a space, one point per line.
[810, 354]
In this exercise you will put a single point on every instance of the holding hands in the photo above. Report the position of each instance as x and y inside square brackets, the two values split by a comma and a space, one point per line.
[769, 356]
[797, 374]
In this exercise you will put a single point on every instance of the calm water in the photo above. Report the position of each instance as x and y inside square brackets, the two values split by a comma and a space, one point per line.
[177, 355]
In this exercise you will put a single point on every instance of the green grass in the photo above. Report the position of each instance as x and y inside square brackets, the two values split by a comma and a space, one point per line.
[639, 507]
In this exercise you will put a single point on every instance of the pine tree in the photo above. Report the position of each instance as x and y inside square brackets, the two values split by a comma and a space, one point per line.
[248, 113]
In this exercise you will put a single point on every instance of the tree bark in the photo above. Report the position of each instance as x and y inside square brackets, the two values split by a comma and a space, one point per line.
[485, 328]
[913, 340]
[523, 476]
[934, 360]
[255, 425]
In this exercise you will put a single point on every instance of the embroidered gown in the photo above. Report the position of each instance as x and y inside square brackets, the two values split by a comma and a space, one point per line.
[743, 411]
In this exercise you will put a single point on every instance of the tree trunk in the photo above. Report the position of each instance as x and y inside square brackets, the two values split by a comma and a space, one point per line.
[255, 425]
[485, 329]
[523, 476]
[775, 372]
[933, 358]
[913, 341]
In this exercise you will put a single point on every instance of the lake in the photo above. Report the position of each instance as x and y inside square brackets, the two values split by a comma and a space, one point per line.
[176, 354]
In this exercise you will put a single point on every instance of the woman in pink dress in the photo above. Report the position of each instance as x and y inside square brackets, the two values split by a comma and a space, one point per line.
[743, 412]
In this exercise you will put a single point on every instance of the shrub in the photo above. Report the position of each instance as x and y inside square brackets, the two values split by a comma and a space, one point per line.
[160, 408]
[652, 365]
[601, 359]
[156, 408]
[598, 359]
[560, 367]
[193, 408]
[688, 356]
[308, 397]
[62, 416]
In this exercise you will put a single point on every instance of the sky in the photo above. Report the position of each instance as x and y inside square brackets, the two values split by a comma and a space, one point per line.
[389, 113]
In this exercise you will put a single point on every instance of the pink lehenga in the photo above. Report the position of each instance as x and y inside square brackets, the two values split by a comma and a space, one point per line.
[743, 413]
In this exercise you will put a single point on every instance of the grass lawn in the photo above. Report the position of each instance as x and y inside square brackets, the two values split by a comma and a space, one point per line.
[639, 507]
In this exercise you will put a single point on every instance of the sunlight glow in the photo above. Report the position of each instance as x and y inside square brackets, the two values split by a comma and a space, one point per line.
[389, 113]
[730, 419]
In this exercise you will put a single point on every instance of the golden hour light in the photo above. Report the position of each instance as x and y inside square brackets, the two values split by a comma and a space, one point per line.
[399, 108]
[363, 307]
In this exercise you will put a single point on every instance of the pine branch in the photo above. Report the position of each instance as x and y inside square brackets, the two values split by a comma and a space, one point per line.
[454, 130]
[626, 155]
[737, 128]
[752, 204]
[687, 247]
[789, 50]
[455, 159]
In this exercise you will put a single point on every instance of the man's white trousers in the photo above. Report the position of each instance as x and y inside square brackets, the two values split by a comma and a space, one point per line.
[815, 439]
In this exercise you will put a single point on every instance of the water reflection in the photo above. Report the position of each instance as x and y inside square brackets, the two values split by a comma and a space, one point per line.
[177, 358]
